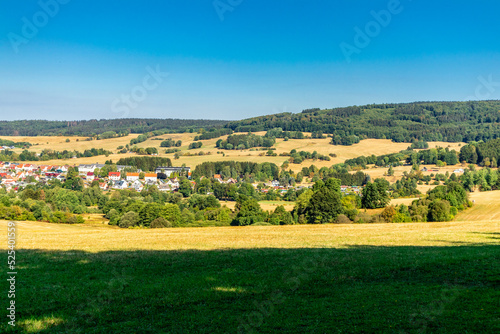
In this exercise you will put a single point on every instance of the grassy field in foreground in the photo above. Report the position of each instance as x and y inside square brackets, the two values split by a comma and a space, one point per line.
[387, 278]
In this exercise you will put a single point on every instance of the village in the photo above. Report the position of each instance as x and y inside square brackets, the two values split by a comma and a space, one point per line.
[14, 176]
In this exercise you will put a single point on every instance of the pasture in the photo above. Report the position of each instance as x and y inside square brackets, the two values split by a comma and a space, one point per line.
[379, 278]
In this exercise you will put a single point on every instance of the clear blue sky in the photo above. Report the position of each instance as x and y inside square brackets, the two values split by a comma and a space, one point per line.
[232, 59]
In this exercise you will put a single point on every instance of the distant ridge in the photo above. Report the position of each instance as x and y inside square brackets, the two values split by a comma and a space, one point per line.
[401, 122]
[96, 127]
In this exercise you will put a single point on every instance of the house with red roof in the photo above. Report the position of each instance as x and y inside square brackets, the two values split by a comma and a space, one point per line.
[114, 176]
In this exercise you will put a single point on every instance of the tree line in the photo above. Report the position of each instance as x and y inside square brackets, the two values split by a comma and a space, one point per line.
[245, 141]
[237, 169]
[145, 163]
[93, 128]
[10, 143]
[213, 133]
[482, 153]
[47, 154]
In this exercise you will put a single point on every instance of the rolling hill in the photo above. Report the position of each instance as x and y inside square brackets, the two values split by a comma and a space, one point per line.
[404, 122]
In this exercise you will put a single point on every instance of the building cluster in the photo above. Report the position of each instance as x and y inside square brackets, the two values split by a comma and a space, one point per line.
[275, 185]
[132, 181]
[435, 170]
[218, 178]
[351, 190]
[15, 175]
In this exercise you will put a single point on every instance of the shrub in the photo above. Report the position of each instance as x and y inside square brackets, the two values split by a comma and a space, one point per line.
[363, 218]
[75, 219]
[160, 223]
[342, 219]
[130, 219]
[439, 211]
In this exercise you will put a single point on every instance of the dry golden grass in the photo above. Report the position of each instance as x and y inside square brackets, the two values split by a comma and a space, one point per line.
[265, 205]
[59, 143]
[451, 146]
[486, 208]
[94, 218]
[380, 172]
[323, 146]
[272, 205]
[229, 204]
[94, 236]
[405, 201]
[36, 235]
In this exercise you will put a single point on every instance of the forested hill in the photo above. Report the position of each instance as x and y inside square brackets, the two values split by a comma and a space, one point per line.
[96, 127]
[429, 121]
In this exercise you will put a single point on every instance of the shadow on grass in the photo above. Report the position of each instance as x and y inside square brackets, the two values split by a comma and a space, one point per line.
[357, 289]
[491, 235]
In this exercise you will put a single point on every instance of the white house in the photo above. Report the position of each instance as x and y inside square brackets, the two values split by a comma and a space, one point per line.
[171, 170]
[89, 168]
[173, 184]
[168, 186]
[150, 177]
[120, 185]
[114, 176]
[29, 167]
[131, 177]
[137, 185]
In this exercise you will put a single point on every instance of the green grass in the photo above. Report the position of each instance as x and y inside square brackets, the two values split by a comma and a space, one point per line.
[357, 289]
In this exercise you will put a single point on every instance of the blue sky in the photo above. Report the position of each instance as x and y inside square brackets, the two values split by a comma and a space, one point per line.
[232, 59]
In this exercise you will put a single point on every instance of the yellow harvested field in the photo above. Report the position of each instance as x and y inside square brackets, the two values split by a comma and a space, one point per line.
[46, 236]
[272, 205]
[229, 204]
[94, 218]
[470, 226]
[265, 205]
[486, 208]
[59, 143]
[405, 201]
[381, 172]
[451, 146]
